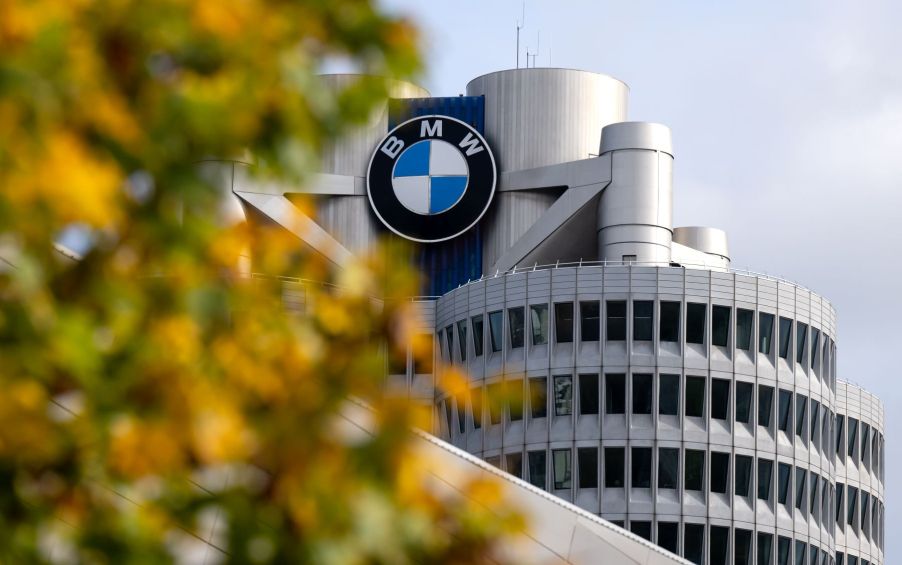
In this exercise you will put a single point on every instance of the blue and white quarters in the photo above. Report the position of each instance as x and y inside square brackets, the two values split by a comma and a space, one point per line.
[430, 177]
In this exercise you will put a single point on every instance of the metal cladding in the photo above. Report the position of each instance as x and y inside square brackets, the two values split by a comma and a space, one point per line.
[707, 240]
[635, 212]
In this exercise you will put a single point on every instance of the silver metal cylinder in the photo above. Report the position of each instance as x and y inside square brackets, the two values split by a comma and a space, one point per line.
[635, 211]
[707, 240]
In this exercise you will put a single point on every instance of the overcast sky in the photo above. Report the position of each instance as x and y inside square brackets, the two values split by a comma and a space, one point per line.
[787, 128]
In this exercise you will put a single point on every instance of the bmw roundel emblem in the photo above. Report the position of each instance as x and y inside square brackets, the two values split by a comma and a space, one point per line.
[431, 179]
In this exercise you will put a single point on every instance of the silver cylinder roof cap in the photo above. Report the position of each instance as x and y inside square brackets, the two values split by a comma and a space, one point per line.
[636, 135]
[704, 239]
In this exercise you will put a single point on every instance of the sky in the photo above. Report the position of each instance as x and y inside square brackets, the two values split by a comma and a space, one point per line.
[787, 129]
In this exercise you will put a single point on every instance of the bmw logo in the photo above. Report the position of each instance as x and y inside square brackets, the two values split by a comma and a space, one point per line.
[431, 179]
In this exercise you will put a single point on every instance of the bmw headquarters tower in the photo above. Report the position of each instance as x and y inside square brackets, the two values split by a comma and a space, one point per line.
[642, 378]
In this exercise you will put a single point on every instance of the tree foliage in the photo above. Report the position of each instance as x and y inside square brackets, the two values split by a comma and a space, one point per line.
[148, 393]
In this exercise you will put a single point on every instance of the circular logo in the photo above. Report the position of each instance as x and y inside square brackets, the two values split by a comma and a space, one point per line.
[431, 179]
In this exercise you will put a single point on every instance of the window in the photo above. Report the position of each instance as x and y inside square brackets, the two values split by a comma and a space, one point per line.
[424, 352]
[865, 435]
[448, 417]
[495, 331]
[801, 549]
[852, 504]
[742, 547]
[397, 360]
[765, 548]
[801, 479]
[515, 400]
[720, 471]
[476, 324]
[720, 543]
[669, 395]
[515, 319]
[801, 413]
[562, 469]
[536, 461]
[720, 325]
[815, 417]
[589, 320]
[765, 478]
[720, 398]
[785, 472]
[743, 475]
[815, 337]
[840, 491]
[814, 482]
[695, 470]
[668, 467]
[449, 338]
[641, 468]
[563, 395]
[801, 336]
[785, 337]
[694, 540]
[744, 329]
[613, 467]
[695, 322]
[670, 321]
[461, 403]
[538, 314]
[476, 403]
[765, 332]
[538, 397]
[587, 459]
[588, 394]
[514, 463]
[494, 394]
[853, 435]
[840, 558]
[765, 405]
[462, 339]
[563, 322]
[615, 394]
[744, 402]
[784, 546]
[616, 324]
[641, 528]
[643, 318]
[785, 410]
[668, 535]
[642, 393]
[695, 396]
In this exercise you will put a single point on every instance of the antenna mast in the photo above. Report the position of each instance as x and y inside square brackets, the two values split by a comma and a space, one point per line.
[521, 23]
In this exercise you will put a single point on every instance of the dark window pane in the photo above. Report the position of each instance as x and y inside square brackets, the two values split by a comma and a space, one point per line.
[695, 396]
[495, 331]
[785, 473]
[476, 403]
[744, 329]
[784, 547]
[840, 558]
[462, 339]
[476, 324]
[589, 320]
[765, 478]
[515, 400]
[614, 394]
[720, 325]
[744, 402]
[765, 549]
[743, 475]
[785, 336]
[720, 542]
[642, 394]
[588, 394]
[563, 395]
[560, 459]
[694, 542]
[765, 405]
[669, 397]
[641, 528]
[670, 321]
[494, 392]
[765, 332]
[515, 320]
[815, 417]
[801, 479]
[449, 339]
[668, 467]
[538, 397]
[448, 417]
[695, 469]
[613, 467]
[720, 471]
[853, 435]
[643, 318]
[461, 403]
[587, 459]
[668, 535]
[515, 464]
[742, 547]
[814, 483]
[720, 398]
[641, 467]
[563, 322]
[852, 504]
[538, 314]
[785, 410]
[536, 460]
[695, 322]
[801, 415]
[616, 322]
[801, 551]
[840, 492]
[801, 336]
[815, 337]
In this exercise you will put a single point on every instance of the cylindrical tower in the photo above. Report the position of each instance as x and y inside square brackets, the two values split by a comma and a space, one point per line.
[635, 212]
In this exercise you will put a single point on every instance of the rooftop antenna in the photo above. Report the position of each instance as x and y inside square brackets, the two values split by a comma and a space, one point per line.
[521, 23]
